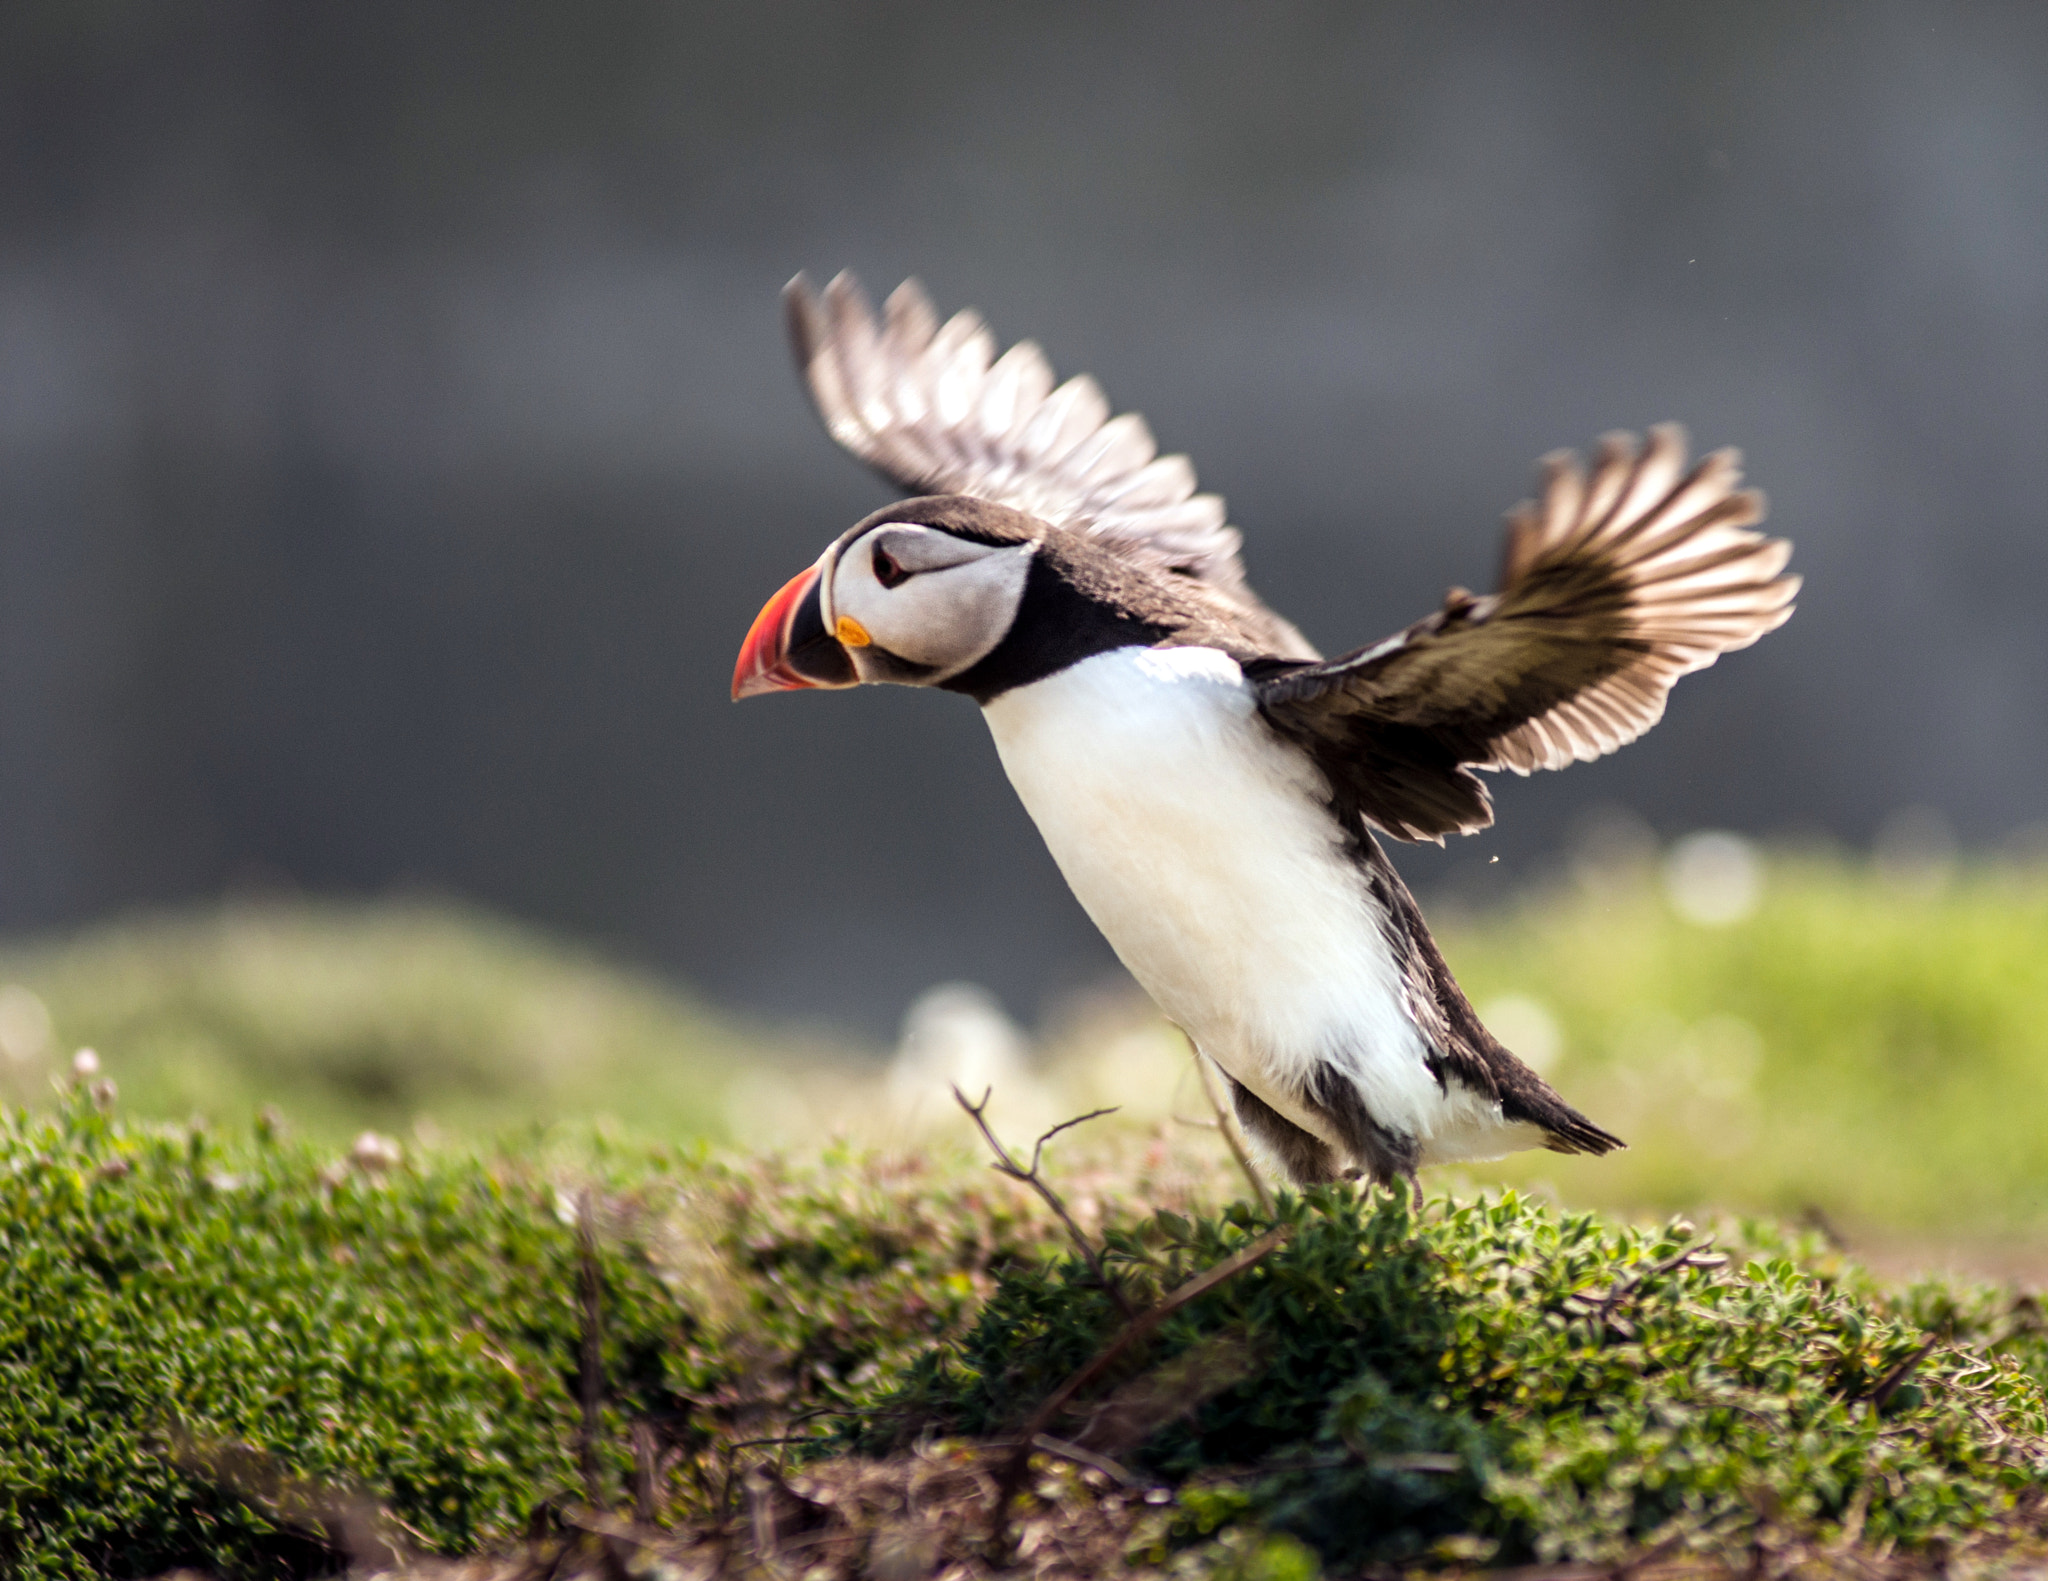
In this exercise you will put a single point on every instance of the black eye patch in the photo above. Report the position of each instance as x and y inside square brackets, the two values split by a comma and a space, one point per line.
[887, 571]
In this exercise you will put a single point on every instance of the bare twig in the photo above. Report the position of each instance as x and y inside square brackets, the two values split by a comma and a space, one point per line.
[1171, 1392]
[1226, 1122]
[591, 1379]
[1089, 1458]
[1006, 1165]
[346, 1521]
[646, 1471]
[1038, 1147]
[1604, 1306]
[761, 1522]
[1142, 1326]
[1888, 1385]
[1011, 1477]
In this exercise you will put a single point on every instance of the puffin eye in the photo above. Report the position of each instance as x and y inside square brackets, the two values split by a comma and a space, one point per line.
[887, 571]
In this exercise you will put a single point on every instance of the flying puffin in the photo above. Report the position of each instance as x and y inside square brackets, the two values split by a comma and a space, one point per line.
[1212, 788]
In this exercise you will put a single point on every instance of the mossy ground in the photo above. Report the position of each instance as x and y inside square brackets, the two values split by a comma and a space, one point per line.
[228, 1345]
[1489, 1380]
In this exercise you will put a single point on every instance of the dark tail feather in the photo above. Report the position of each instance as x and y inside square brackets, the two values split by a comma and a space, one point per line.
[1572, 1132]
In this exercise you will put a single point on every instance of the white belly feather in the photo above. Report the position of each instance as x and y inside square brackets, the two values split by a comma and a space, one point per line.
[1200, 844]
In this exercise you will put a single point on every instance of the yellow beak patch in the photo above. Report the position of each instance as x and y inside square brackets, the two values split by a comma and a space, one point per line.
[851, 632]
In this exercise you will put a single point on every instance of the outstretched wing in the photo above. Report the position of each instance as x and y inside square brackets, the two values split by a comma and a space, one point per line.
[1613, 587]
[932, 408]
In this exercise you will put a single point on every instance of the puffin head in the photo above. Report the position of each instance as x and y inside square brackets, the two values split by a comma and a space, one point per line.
[961, 593]
[915, 595]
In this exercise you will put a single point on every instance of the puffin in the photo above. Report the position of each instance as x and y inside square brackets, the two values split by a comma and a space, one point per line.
[1214, 790]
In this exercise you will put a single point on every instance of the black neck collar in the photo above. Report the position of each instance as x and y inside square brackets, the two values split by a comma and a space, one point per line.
[1059, 622]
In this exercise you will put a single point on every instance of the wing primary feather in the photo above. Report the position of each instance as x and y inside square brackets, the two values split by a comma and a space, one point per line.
[802, 320]
[1658, 470]
[1613, 465]
[1615, 582]
[1564, 493]
[911, 322]
[931, 405]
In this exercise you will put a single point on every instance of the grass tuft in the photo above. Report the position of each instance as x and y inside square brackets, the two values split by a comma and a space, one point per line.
[214, 1345]
[1499, 1380]
[170, 1298]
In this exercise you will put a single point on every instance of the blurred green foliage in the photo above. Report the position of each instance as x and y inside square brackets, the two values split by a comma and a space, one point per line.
[1870, 1047]
[1861, 1046]
[366, 1014]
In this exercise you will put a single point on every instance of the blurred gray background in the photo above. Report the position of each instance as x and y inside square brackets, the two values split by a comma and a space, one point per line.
[396, 434]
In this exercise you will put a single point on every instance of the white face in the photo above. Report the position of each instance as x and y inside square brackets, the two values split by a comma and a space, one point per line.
[924, 596]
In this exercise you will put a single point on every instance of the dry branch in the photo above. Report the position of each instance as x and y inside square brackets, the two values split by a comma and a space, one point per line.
[1011, 1477]
[590, 1380]
[1226, 1122]
[1888, 1385]
[1006, 1165]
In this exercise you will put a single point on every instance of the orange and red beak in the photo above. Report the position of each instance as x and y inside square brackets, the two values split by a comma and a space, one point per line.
[788, 648]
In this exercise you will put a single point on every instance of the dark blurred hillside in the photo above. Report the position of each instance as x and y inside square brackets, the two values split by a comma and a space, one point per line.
[396, 435]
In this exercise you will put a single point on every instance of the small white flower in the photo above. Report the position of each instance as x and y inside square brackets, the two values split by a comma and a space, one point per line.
[374, 1152]
[1714, 878]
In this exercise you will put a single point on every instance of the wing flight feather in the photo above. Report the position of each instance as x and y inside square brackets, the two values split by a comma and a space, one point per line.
[1613, 585]
[934, 409]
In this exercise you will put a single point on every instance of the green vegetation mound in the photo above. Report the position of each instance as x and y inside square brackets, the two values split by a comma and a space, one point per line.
[1872, 1048]
[409, 1331]
[205, 1344]
[1867, 1047]
[355, 1014]
[187, 1322]
[1496, 1380]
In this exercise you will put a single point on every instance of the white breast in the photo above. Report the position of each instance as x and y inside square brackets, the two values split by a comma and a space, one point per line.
[1201, 845]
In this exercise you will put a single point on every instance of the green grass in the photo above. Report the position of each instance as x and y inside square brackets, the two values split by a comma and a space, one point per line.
[409, 1333]
[1493, 1380]
[168, 1288]
[414, 1331]
[1499, 1381]
[1874, 1052]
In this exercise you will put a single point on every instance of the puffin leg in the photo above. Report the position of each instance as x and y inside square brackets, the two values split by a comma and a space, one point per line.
[1306, 1159]
[1409, 1180]
[1387, 1156]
